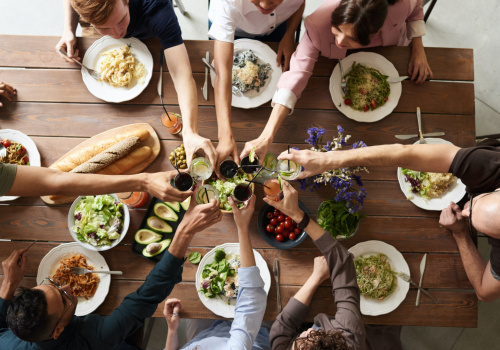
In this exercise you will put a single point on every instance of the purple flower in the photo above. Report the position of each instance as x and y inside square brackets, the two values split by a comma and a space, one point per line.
[340, 129]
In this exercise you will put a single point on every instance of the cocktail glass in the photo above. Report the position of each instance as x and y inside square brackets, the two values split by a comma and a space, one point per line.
[183, 182]
[249, 167]
[242, 193]
[228, 168]
[289, 171]
[174, 124]
[200, 169]
[272, 190]
[206, 190]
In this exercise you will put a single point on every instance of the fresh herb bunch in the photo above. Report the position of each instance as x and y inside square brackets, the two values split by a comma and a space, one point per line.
[335, 218]
[343, 180]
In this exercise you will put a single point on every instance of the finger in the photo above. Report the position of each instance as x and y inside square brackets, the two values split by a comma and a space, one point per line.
[75, 55]
[234, 206]
[236, 157]
[273, 204]
[287, 62]
[431, 75]
[5, 94]
[246, 150]
[69, 49]
[177, 309]
[278, 57]
[10, 89]
[415, 74]
[410, 68]
[212, 157]
[1, 104]
[422, 75]
[189, 154]
[251, 203]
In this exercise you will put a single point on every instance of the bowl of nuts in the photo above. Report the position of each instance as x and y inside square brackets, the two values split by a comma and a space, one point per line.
[180, 152]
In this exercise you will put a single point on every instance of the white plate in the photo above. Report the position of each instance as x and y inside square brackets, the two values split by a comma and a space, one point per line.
[71, 223]
[27, 142]
[93, 58]
[217, 305]
[454, 194]
[51, 262]
[371, 60]
[252, 98]
[374, 307]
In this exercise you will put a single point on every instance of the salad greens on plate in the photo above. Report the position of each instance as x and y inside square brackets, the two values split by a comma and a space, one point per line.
[98, 220]
[220, 278]
[225, 188]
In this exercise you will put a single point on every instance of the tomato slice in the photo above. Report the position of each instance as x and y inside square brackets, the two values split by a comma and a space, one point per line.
[366, 108]
[363, 92]
[373, 104]
[347, 102]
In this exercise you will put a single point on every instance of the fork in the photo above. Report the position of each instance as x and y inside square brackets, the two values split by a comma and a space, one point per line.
[343, 82]
[234, 89]
[419, 121]
[92, 72]
[3, 151]
[83, 271]
[407, 278]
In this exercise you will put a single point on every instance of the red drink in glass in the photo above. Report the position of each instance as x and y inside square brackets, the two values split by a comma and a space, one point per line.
[272, 190]
[133, 199]
[174, 124]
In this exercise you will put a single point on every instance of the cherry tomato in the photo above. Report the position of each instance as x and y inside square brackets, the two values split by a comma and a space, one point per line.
[282, 224]
[26, 160]
[280, 229]
[270, 215]
[373, 103]
[385, 99]
[6, 143]
[286, 233]
[347, 102]
[274, 231]
[366, 108]
[276, 214]
[270, 228]
[274, 221]
[281, 218]
[292, 236]
[288, 224]
[280, 238]
[297, 231]
[21, 151]
[363, 92]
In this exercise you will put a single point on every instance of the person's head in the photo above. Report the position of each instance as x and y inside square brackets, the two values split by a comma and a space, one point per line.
[266, 6]
[485, 209]
[41, 313]
[320, 340]
[109, 17]
[355, 21]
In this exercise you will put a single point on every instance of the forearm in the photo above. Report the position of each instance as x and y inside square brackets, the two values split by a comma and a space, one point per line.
[7, 289]
[277, 117]
[431, 158]
[38, 181]
[181, 241]
[417, 43]
[246, 251]
[294, 21]
[306, 292]
[70, 17]
[172, 340]
[222, 87]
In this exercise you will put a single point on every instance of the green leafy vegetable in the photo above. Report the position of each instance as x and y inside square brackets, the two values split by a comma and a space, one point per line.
[219, 255]
[335, 218]
[225, 188]
[195, 257]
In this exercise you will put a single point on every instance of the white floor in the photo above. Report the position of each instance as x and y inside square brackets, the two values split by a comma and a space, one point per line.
[453, 23]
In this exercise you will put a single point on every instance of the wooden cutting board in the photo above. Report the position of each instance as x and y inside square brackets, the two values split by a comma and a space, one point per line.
[153, 142]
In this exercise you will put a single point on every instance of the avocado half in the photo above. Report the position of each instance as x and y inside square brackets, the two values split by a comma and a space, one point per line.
[164, 212]
[174, 205]
[153, 249]
[145, 236]
[158, 225]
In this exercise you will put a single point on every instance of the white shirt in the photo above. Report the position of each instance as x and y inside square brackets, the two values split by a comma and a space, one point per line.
[242, 18]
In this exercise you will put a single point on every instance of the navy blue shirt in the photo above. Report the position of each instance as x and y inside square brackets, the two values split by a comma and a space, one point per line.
[154, 19]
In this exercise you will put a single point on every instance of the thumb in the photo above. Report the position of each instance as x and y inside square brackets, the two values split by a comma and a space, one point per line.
[69, 49]
[177, 308]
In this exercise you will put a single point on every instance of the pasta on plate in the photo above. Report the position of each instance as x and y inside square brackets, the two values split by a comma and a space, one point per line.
[119, 68]
[81, 285]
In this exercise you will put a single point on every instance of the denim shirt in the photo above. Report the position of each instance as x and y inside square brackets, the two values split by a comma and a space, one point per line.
[245, 331]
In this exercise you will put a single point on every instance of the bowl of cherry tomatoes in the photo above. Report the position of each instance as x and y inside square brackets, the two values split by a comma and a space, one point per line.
[278, 229]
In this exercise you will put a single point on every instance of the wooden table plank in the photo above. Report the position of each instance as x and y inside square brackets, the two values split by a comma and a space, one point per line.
[458, 308]
[86, 120]
[64, 85]
[39, 52]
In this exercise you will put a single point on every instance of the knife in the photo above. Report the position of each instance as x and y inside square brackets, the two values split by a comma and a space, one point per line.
[397, 79]
[205, 86]
[160, 81]
[276, 273]
[406, 137]
[422, 270]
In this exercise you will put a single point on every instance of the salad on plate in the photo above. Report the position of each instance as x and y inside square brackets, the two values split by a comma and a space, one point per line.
[98, 220]
[428, 185]
[220, 278]
[225, 188]
[376, 279]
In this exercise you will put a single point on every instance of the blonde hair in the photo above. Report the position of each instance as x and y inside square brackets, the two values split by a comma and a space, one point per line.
[95, 12]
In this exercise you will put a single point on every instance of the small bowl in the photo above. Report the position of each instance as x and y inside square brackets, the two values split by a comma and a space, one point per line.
[172, 162]
[250, 177]
[342, 237]
[71, 223]
[270, 237]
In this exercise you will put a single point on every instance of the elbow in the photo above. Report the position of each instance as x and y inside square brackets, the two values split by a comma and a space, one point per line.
[486, 296]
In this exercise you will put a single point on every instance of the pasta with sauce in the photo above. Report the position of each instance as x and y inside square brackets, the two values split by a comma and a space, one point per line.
[16, 153]
[81, 285]
[119, 67]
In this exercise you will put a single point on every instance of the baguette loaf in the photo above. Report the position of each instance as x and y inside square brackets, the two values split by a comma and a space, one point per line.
[107, 157]
[126, 163]
[81, 156]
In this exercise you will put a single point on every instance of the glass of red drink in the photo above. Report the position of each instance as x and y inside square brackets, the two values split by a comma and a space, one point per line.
[228, 168]
[242, 193]
[183, 182]
[273, 190]
[133, 199]
[173, 122]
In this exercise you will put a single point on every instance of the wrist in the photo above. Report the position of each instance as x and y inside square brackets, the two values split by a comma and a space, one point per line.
[7, 289]
[297, 216]
[315, 280]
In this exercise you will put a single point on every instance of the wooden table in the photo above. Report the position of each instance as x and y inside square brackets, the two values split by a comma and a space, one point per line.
[54, 107]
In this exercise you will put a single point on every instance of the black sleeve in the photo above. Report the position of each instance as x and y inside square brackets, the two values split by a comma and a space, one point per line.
[478, 168]
[165, 26]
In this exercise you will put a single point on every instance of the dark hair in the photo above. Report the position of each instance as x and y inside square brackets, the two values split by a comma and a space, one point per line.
[321, 340]
[27, 315]
[366, 16]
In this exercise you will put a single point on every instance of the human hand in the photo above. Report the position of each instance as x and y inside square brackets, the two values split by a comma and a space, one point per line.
[226, 148]
[451, 218]
[7, 91]
[158, 184]
[194, 142]
[68, 43]
[286, 48]
[419, 69]
[243, 216]
[261, 146]
[321, 271]
[14, 267]
[171, 312]
[312, 162]
[289, 205]
[200, 216]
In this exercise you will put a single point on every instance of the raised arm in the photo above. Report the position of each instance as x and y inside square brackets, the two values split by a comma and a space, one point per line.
[68, 39]
[33, 181]
[180, 70]
[418, 68]
[432, 158]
